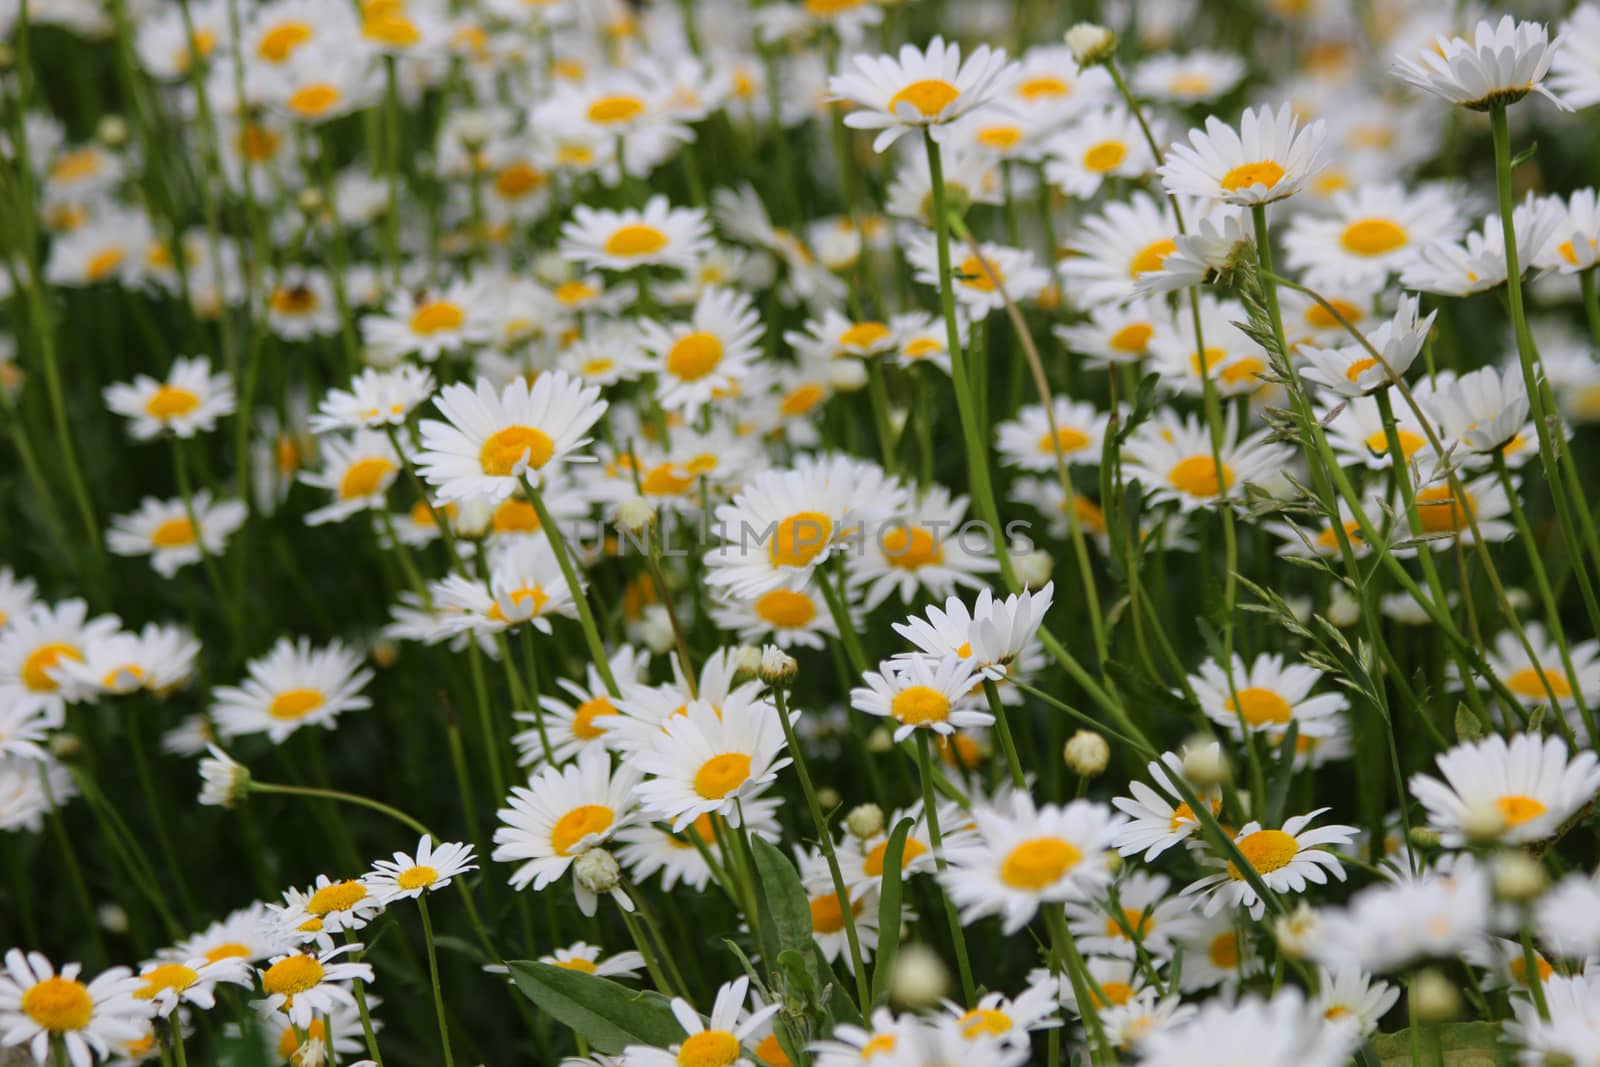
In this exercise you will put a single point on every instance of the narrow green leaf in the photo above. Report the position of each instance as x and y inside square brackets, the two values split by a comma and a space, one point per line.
[1474, 1044]
[889, 907]
[607, 1015]
[1283, 777]
[1468, 728]
[785, 902]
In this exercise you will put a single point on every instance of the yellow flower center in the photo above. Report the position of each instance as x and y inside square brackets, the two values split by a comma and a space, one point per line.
[1189, 83]
[365, 477]
[515, 515]
[583, 718]
[570, 293]
[1137, 921]
[1044, 85]
[1530, 683]
[578, 824]
[1357, 369]
[721, 775]
[1250, 175]
[228, 950]
[289, 1043]
[1266, 851]
[824, 8]
[694, 356]
[1223, 952]
[929, 97]
[709, 1048]
[785, 609]
[923, 347]
[985, 1021]
[1000, 137]
[1066, 439]
[610, 110]
[1198, 476]
[1323, 319]
[1329, 538]
[919, 705]
[278, 43]
[1104, 156]
[1440, 511]
[291, 975]
[827, 915]
[506, 448]
[338, 896]
[295, 703]
[76, 165]
[391, 28]
[42, 660]
[535, 597]
[771, 1054]
[1259, 706]
[873, 864]
[1517, 809]
[1152, 257]
[1519, 969]
[667, 479]
[799, 539]
[167, 976]
[314, 100]
[1035, 864]
[802, 399]
[58, 1005]
[174, 533]
[518, 180]
[437, 316]
[1378, 442]
[1134, 337]
[418, 877]
[294, 300]
[577, 963]
[865, 335]
[974, 275]
[104, 263]
[1372, 237]
[635, 240]
[910, 549]
[171, 401]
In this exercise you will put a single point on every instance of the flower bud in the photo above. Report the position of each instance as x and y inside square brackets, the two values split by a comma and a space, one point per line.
[656, 630]
[919, 978]
[828, 798]
[1091, 43]
[223, 782]
[746, 661]
[1518, 600]
[65, 746]
[880, 740]
[8, 57]
[1344, 610]
[473, 130]
[636, 514]
[112, 131]
[1206, 765]
[1424, 837]
[865, 821]
[1297, 931]
[1087, 754]
[1033, 568]
[112, 918]
[597, 871]
[1434, 997]
[847, 375]
[311, 201]
[1483, 823]
[1518, 877]
[777, 666]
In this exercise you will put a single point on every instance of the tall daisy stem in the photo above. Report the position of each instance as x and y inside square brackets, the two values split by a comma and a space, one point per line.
[1100, 1050]
[433, 976]
[580, 598]
[930, 807]
[1002, 728]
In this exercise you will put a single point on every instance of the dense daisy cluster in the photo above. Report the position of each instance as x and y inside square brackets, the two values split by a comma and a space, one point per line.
[833, 532]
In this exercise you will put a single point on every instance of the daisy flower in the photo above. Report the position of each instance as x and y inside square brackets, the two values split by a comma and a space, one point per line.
[339, 1034]
[1483, 412]
[921, 692]
[786, 617]
[828, 911]
[427, 324]
[1567, 917]
[1103, 144]
[1575, 69]
[1251, 1032]
[1439, 913]
[996, 635]
[1129, 1023]
[34, 647]
[971, 176]
[1118, 332]
[1211, 250]
[375, 399]
[1024, 856]
[30, 789]
[189, 401]
[578, 719]
[38, 1006]
[926, 89]
[1287, 860]
[175, 533]
[1529, 782]
[158, 660]
[327, 908]
[706, 357]
[1533, 679]
[293, 685]
[1197, 77]
[1576, 247]
[660, 235]
[166, 984]
[358, 470]
[1346, 996]
[249, 934]
[104, 250]
[835, 336]
[1142, 905]
[861, 862]
[17, 596]
[1174, 460]
[855, 1046]
[526, 585]
[1268, 158]
[920, 338]
[705, 763]
[1265, 696]
[303, 985]
[1048, 82]
[1351, 370]
[1027, 442]
[1478, 263]
[585, 958]
[24, 732]
[491, 438]
[721, 1043]
[978, 283]
[561, 813]
[223, 781]
[301, 305]
[1119, 981]
[928, 547]
[1370, 232]
[1009, 1019]
[430, 868]
[1159, 820]
[1115, 246]
[1500, 64]
[1447, 516]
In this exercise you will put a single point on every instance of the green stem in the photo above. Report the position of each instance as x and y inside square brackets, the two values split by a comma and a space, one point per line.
[433, 976]
[930, 808]
[580, 598]
[1003, 730]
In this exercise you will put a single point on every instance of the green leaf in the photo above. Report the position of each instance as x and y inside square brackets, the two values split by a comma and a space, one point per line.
[785, 903]
[889, 897]
[1283, 777]
[1468, 728]
[607, 1015]
[1474, 1044]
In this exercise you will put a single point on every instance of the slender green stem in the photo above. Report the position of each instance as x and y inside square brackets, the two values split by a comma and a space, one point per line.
[930, 808]
[1003, 730]
[433, 976]
[343, 798]
[580, 598]
[1078, 974]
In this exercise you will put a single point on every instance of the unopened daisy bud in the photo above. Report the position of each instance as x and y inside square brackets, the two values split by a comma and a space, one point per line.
[112, 918]
[1483, 823]
[473, 130]
[1033, 568]
[223, 781]
[1424, 837]
[1518, 599]
[1296, 931]
[919, 978]
[1206, 765]
[65, 747]
[597, 871]
[311, 201]
[635, 514]
[1300, 607]
[880, 740]
[847, 375]
[112, 131]
[656, 630]
[865, 821]
[1518, 877]
[1091, 43]
[552, 268]
[1434, 997]
[777, 666]
[1344, 610]
[384, 652]
[1087, 754]
[746, 661]
[828, 798]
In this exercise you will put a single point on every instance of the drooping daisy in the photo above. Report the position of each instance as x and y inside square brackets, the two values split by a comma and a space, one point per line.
[1268, 158]
[1174, 460]
[1028, 442]
[303, 985]
[721, 1043]
[175, 533]
[1214, 246]
[1159, 820]
[1529, 782]
[293, 685]
[561, 813]
[376, 398]
[166, 983]
[39, 1006]
[706, 763]
[1477, 263]
[660, 235]
[1351, 370]
[998, 636]
[35, 645]
[1287, 860]
[493, 438]
[189, 401]
[927, 89]
[1024, 856]
[922, 692]
[585, 959]
[429, 868]
[1500, 64]
[708, 356]
[1264, 696]
[1482, 414]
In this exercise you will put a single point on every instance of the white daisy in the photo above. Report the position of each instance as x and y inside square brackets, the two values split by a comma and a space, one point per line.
[703, 763]
[919, 89]
[660, 235]
[1265, 696]
[39, 1005]
[165, 531]
[429, 868]
[721, 1043]
[1500, 64]
[1268, 158]
[189, 401]
[293, 685]
[1287, 860]
[561, 813]
[922, 692]
[303, 985]
[375, 399]
[706, 357]
[1529, 783]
